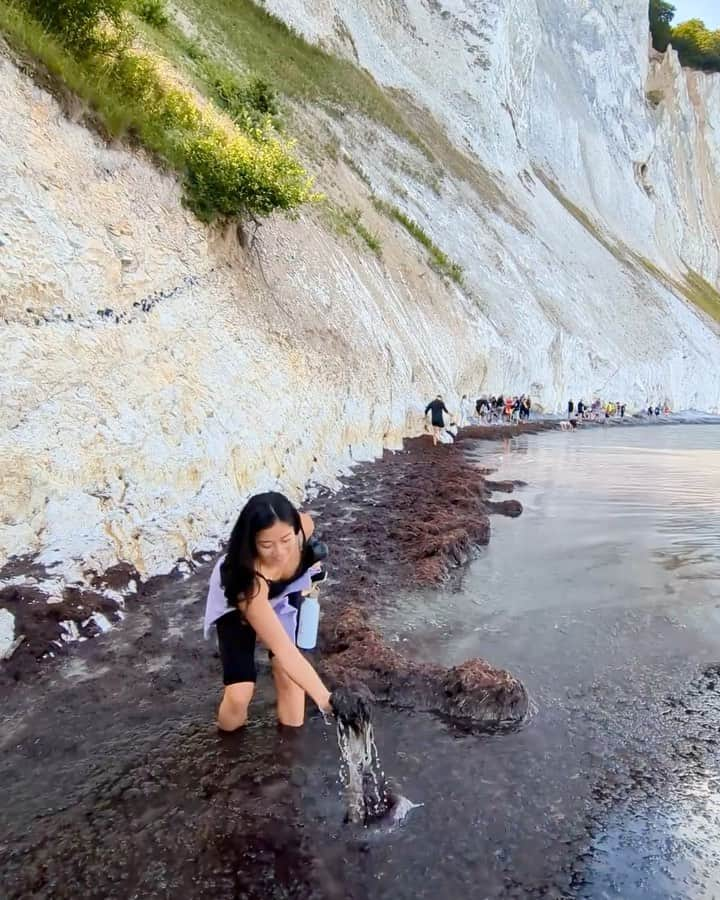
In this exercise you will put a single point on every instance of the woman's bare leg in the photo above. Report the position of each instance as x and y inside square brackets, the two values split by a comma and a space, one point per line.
[290, 698]
[233, 709]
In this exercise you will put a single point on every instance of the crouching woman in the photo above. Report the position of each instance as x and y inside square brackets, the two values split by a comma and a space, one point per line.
[255, 592]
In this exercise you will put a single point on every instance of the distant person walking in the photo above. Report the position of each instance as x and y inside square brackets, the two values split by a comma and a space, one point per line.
[436, 408]
[571, 409]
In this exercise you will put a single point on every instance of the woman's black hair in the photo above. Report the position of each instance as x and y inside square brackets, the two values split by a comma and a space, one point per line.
[237, 572]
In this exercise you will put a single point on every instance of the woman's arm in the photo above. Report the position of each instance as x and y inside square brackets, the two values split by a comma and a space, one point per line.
[262, 618]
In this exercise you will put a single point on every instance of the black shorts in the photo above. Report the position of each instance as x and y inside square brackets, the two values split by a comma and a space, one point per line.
[236, 641]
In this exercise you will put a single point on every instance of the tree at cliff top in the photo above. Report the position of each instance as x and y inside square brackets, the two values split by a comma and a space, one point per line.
[698, 47]
[661, 16]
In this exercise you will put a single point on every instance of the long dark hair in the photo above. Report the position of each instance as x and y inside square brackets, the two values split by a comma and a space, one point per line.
[237, 572]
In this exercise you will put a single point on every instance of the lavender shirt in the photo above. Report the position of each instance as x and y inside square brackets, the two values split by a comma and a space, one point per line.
[216, 605]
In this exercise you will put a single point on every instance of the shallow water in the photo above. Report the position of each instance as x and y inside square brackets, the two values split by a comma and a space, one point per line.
[604, 597]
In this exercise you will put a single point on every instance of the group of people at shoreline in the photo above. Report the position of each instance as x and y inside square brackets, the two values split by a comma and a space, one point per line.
[599, 411]
[596, 411]
[501, 408]
[486, 410]
[512, 409]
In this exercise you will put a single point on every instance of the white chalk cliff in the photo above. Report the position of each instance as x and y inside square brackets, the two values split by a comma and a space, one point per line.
[153, 372]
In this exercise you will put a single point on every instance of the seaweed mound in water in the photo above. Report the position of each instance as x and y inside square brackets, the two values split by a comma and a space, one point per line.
[366, 794]
[474, 693]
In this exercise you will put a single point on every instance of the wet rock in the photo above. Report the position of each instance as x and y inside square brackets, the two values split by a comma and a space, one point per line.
[505, 487]
[50, 623]
[7, 631]
[511, 508]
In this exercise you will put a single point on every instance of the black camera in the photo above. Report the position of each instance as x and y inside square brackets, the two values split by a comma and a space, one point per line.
[314, 551]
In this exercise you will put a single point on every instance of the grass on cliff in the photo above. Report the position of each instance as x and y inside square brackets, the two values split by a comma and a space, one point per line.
[440, 261]
[693, 287]
[348, 223]
[264, 45]
[234, 166]
[702, 294]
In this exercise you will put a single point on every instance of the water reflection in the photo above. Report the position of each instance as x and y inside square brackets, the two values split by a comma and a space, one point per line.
[655, 851]
[603, 597]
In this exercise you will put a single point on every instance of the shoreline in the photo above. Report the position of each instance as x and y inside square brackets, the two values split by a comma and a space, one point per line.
[417, 514]
[128, 719]
[122, 734]
[55, 619]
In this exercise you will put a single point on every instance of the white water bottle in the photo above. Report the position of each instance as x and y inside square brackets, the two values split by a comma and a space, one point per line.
[308, 621]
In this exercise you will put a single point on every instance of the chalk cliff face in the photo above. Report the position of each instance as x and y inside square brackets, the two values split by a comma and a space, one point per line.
[563, 85]
[154, 372]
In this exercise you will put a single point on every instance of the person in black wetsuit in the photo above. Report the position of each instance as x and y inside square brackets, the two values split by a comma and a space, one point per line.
[436, 408]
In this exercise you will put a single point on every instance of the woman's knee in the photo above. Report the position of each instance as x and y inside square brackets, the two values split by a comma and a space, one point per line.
[233, 709]
[290, 699]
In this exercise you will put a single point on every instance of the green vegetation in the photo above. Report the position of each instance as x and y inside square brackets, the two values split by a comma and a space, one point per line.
[697, 46]
[249, 102]
[702, 294]
[229, 170]
[358, 170]
[86, 27]
[349, 221]
[694, 287]
[153, 12]
[438, 260]
[580, 215]
[277, 55]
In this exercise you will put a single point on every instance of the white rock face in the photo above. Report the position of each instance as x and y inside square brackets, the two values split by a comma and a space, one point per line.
[154, 373]
[7, 631]
[558, 84]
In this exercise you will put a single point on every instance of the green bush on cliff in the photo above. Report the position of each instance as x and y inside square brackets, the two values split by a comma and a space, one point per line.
[154, 12]
[250, 103]
[86, 26]
[229, 170]
[697, 46]
[227, 173]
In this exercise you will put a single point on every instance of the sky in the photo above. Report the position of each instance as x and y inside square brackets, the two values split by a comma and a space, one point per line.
[707, 10]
